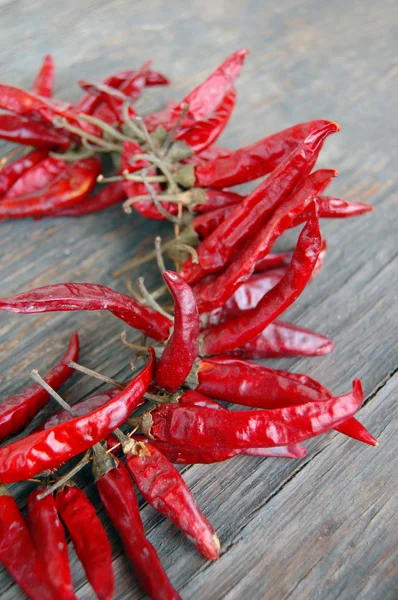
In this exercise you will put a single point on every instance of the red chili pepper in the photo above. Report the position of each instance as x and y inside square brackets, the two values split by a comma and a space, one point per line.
[204, 133]
[352, 427]
[89, 539]
[117, 494]
[18, 410]
[22, 130]
[89, 296]
[200, 427]
[204, 99]
[218, 199]
[108, 196]
[50, 448]
[284, 340]
[226, 284]
[41, 174]
[188, 456]
[113, 97]
[163, 488]
[335, 208]
[43, 84]
[18, 553]
[258, 159]
[236, 331]
[73, 184]
[270, 261]
[12, 172]
[49, 538]
[212, 152]
[83, 407]
[181, 351]
[217, 251]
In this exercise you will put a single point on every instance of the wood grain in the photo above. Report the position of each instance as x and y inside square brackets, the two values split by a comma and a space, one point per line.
[324, 527]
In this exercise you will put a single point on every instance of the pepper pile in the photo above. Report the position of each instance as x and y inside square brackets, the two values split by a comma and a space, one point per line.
[227, 297]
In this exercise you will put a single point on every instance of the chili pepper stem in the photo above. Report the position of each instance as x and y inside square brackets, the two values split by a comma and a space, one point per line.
[37, 377]
[159, 255]
[65, 478]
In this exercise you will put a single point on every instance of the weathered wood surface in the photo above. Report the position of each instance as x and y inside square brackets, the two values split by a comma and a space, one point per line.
[324, 527]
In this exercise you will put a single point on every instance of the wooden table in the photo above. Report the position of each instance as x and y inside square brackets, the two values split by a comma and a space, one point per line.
[323, 527]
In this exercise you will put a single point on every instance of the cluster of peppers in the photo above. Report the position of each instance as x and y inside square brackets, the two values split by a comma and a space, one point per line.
[227, 297]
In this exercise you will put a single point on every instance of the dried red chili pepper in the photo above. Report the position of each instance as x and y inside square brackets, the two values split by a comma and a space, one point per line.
[18, 410]
[204, 99]
[200, 427]
[204, 133]
[206, 223]
[28, 104]
[18, 553]
[42, 173]
[238, 330]
[245, 383]
[108, 196]
[182, 347]
[257, 159]
[212, 152]
[49, 538]
[89, 539]
[113, 97]
[22, 130]
[73, 184]
[283, 340]
[89, 296]
[352, 427]
[12, 172]
[216, 252]
[50, 448]
[44, 81]
[270, 261]
[187, 456]
[83, 407]
[163, 488]
[117, 494]
[335, 208]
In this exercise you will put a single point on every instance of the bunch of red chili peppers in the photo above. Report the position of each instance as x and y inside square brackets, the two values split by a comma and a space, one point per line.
[229, 292]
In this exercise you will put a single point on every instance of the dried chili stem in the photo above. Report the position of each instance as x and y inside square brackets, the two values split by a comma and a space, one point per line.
[150, 301]
[37, 377]
[159, 256]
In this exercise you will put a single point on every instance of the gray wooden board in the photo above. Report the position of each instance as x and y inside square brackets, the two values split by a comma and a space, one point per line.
[323, 527]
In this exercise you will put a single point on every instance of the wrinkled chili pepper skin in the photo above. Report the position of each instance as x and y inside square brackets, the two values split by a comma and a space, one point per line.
[204, 133]
[207, 222]
[50, 448]
[68, 188]
[22, 130]
[352, 427]
[188, 456]
[109, 196]
[284, 340]
[163, 488]
[37, 177]
[217, 251]
[271, 261]
[117, 494]
[335, 208]
[18, 410]
[89, 296]
[44, 82]
[257, 159]
[182, 348]
[245, 383]
[89, 539]
[205, 98]
[49, 538]
[236, 331]
[18, 553]
[15, 170]
[203, 427]
[81, 408]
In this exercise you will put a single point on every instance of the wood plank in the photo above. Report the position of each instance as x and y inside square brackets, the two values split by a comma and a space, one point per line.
[297, 529]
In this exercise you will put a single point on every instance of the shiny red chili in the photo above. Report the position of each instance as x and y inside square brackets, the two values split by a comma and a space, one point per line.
[89, 539]
[18, 410]
[22, 130]
[49, 538]
[14, 171]
[108, 196]
[89, 296]
[182, 348]
[50, 448]
[43, 84]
